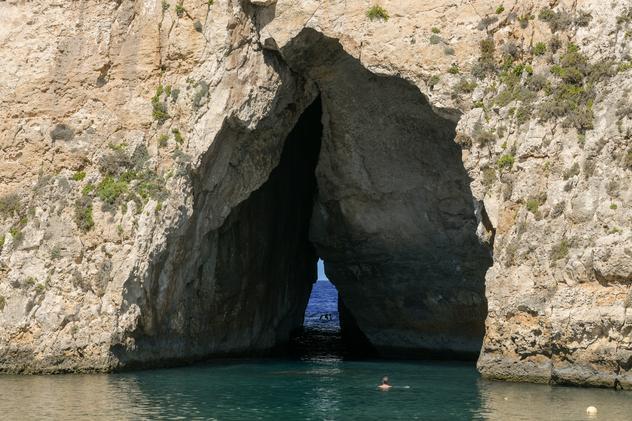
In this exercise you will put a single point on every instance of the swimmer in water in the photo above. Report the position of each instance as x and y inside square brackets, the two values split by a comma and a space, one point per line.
[384, 386]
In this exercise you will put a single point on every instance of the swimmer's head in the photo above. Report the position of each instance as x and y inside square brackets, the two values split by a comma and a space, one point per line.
[385, 380]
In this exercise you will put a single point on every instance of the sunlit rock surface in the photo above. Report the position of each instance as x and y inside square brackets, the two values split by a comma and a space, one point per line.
[141, 222]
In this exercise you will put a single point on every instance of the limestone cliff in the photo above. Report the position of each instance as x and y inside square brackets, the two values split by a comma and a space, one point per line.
[171, 169]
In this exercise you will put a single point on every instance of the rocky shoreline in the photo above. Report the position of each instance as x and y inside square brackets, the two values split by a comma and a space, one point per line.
[171, 171]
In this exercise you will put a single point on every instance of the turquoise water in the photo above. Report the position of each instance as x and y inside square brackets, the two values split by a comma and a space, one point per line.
[316, 385]
[326, 389]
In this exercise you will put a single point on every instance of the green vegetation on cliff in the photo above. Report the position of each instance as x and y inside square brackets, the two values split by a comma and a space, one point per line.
[377, 12]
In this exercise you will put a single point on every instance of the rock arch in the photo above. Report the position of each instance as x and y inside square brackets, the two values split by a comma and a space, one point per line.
[369, 178]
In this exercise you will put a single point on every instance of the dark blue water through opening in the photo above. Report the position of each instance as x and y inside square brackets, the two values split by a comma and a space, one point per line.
[322, 309]
[320, 336]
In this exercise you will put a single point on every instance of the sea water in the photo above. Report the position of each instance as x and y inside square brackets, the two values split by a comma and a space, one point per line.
[319, 385]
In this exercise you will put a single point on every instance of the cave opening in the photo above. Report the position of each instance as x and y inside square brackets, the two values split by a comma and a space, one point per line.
[368, 178]
[322, 306]
[370, 181]
[272, 260]
[394, 218]
[320, 336]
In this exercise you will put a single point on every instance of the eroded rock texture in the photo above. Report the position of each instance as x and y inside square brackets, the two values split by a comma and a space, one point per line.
[159, 202]
[246, 284]
[394, 219]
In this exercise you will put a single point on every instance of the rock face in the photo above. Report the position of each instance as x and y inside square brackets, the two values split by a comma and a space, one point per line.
[170, 173]
[394, 219]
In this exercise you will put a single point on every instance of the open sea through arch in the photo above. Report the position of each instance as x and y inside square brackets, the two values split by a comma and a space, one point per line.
[316, 383]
